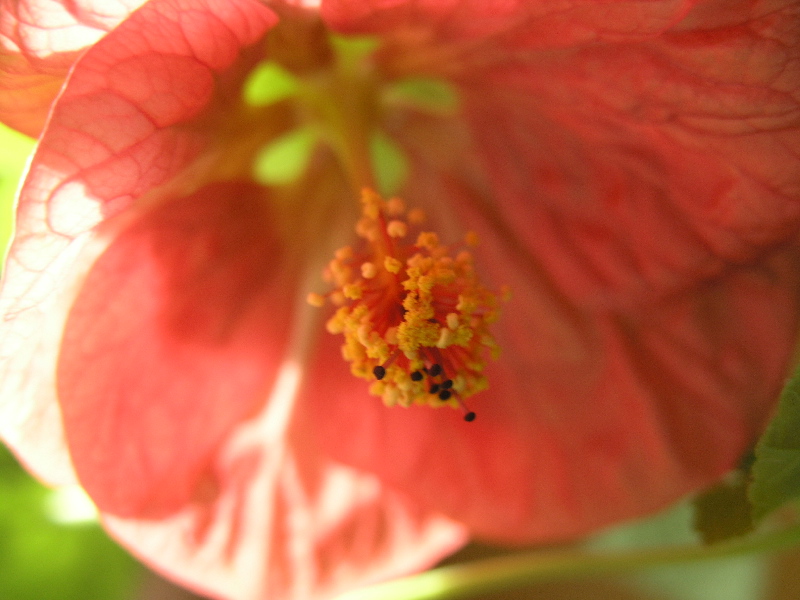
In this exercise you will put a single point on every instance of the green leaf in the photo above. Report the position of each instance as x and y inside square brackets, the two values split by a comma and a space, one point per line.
[776, 471]
[285, 159]
[269, 83]
[733, 578]
[724, 511]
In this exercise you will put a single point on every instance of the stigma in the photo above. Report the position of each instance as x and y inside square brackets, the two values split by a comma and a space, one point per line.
[413, 313]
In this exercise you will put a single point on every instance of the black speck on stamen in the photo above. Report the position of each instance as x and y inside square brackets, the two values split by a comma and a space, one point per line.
[434, 388]
[469, 417]
[447, 384]
[379, 372]
[416, 376]
[435, 370]
[444, 395]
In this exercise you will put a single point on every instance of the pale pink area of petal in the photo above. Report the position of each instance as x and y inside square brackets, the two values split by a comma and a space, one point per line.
[106, 144]
[288, 522]
[39, 41]
[641, 192]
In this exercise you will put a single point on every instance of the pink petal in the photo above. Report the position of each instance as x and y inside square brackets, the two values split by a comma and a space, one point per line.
[40, 40]
[639, 195]
[87, 168]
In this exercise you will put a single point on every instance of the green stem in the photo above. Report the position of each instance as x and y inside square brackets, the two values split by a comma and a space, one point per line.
[527, 568]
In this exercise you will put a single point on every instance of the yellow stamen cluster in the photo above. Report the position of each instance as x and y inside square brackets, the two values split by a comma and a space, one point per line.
[414, 317]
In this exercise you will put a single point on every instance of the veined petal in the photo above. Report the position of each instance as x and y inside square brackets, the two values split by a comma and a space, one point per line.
[39, 41]
[88, 167]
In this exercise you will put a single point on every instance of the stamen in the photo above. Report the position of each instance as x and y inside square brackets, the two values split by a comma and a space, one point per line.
[368, 270]
[409, 311]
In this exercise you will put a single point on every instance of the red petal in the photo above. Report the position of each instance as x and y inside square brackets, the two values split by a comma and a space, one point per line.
[635, 190]
[174, 338]
[42, 38]
[514, 23]
[591, 416]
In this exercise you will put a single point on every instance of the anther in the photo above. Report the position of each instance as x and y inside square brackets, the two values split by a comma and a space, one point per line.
[396, 229]
[469, 417]
[317, 300]
[368, 270]
[410, 312]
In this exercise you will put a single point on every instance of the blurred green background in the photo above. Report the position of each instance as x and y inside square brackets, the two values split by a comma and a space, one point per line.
[52, 548]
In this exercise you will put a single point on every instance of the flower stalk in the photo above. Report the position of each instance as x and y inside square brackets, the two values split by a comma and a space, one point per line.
[530, 568]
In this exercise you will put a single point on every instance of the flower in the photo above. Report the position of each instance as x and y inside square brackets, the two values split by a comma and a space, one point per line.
[631, 170]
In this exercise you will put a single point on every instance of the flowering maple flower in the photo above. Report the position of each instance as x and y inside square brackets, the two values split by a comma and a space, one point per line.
[631, 170]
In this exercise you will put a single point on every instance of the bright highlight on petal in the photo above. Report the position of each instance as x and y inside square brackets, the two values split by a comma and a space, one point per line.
[414, 317]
